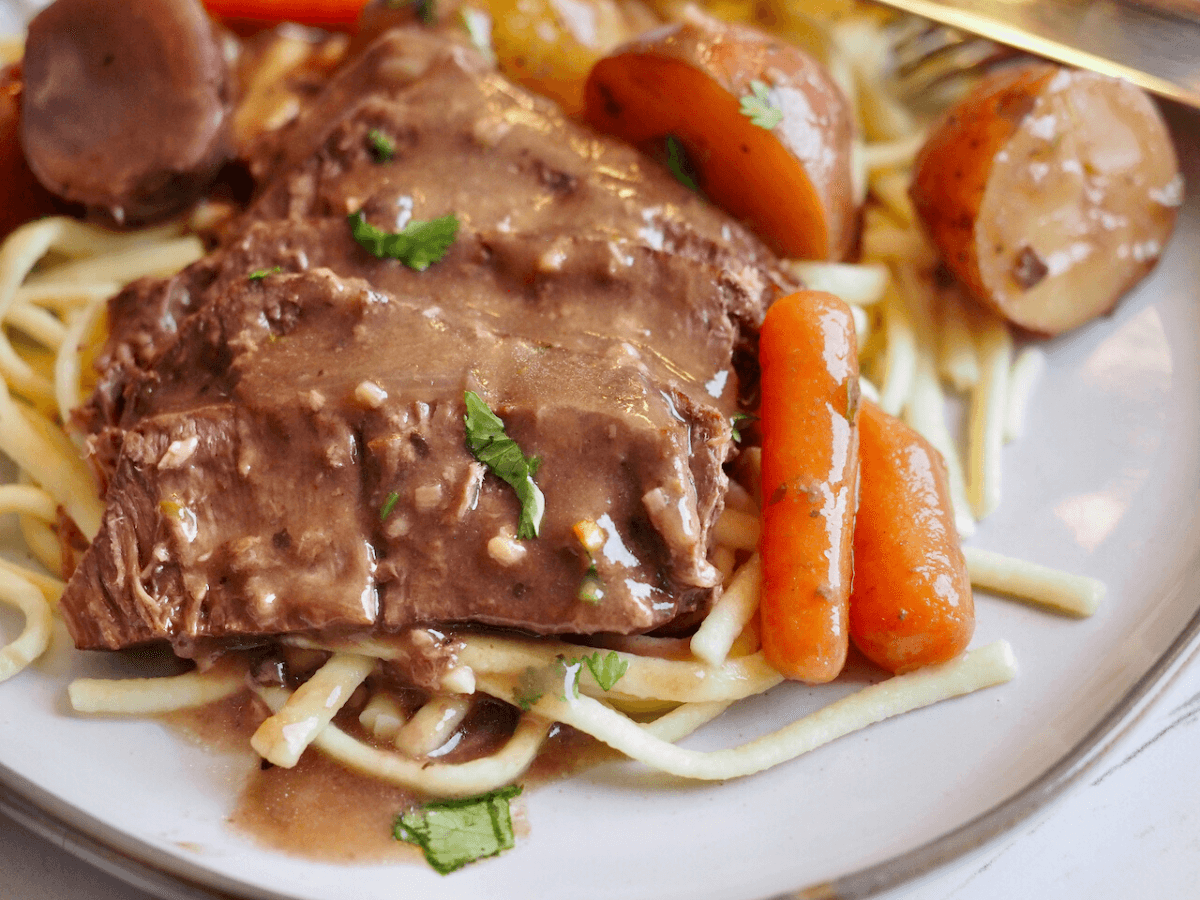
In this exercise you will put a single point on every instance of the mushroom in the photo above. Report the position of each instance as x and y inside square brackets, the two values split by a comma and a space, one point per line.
[126, 105]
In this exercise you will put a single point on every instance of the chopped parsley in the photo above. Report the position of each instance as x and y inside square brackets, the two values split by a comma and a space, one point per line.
[419, 245]
[607, 670]
[260, 274]
[568, 670]
[478, 25]
[529, 689]
[453, 833]
[561, 677]
[680, 163]
[758, 108]
[737, 419]
[381, 146]
[388, 505]
[426, 10]
[591, 589]
[491, 446]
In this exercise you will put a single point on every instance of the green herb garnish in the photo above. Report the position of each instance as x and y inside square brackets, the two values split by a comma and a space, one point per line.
[566, 673]
[607, 670]
[737, 419]
[560, 677]
[496, 450]
[388, 505]
[591, 589]
[680, 163]
[478, 25]
[381, 146]
[453, 833]
[529, 689]
[426, 10]
[418, 246]
[758, 108]
[260, 274]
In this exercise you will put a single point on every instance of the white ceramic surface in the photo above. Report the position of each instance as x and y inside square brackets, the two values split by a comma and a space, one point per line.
[1106, 482]
[1131, 828]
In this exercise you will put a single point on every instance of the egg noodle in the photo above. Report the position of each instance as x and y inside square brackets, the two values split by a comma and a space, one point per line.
[919, 346]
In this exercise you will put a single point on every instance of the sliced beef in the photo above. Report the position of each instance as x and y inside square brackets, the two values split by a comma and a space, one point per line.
[316, 410]
[208, 534]
[251, 500]
[506, 161]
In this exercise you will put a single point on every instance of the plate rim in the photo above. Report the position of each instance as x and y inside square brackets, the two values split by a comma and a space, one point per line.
[85, 837]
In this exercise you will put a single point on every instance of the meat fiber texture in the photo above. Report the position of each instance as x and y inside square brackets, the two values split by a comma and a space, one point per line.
[286, 454]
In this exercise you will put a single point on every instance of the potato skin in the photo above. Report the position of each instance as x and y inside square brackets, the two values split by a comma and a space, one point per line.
[1049, 193]
[687, 80]
[952, 170]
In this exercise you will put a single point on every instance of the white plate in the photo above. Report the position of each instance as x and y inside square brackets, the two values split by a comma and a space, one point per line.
[1105, 483]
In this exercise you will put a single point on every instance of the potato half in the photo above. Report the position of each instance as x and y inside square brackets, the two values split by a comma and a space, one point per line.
[1049, 193]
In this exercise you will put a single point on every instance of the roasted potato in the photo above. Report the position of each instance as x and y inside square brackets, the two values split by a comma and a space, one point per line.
[766, 131]
[1049, 193]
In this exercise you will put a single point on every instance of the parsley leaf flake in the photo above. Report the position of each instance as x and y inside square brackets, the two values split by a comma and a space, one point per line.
[419, 245]
[738, 419]
[529, 689]
[567, 672]
[453, 833]
[426, 10]
[591, 588]
[490, 445]
[680, 163]
[607, 670]
[381, 146]
[260, 274]
[758, 108]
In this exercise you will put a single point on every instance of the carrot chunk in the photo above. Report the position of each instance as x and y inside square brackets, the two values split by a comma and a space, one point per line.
[767, 132]
[308, 12]
[911, 605]
[809, 414]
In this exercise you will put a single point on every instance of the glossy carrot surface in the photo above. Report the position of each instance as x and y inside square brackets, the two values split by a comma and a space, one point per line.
[786, 173]
[911, 605]
[307, 12]
[809, 416]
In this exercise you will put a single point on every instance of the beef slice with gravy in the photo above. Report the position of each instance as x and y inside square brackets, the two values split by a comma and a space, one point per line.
[316, 475]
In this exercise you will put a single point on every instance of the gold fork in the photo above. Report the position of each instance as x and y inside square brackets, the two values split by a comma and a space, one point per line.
[1150, 43]
[931, 60]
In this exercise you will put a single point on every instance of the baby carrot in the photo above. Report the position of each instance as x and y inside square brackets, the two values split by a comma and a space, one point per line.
[911, 605]
[808, 415]
[308, 12]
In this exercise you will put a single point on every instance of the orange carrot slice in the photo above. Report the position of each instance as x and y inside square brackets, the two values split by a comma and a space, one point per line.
[808, 415]
[785, 171]
[308, 12]
[911, 605]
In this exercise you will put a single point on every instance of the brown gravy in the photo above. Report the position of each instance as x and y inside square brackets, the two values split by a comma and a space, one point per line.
[322, 811]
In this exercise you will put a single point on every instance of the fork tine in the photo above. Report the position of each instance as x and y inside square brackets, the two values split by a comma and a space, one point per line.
[926, 39]
[937, 55]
